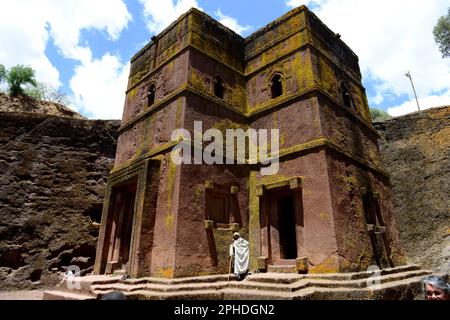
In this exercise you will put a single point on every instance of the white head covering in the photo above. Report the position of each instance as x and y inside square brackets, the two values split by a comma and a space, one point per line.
[236, 234]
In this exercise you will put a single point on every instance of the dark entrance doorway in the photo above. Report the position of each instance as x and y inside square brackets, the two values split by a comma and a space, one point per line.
[287, 227]
[281, 226]
[120, 227]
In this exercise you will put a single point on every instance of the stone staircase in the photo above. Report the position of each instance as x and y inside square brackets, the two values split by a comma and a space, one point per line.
[394, 283]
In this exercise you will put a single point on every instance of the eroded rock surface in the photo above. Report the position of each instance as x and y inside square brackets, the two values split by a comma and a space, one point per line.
[53, 173]
[416, 152]
[25, 104]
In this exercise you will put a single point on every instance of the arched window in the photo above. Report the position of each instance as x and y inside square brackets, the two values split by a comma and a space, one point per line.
[346, 96]
[219, 90]
[276, 86]
[151, 95]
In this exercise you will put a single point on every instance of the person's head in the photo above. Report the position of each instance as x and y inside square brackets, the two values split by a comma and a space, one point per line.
[436, 288]
[236, 236]
[114, 295]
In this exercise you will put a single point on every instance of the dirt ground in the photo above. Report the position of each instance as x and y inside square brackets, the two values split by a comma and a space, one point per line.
[22, 295]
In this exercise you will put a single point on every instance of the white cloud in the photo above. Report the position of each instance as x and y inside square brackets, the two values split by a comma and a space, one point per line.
[378, 98]
[428, 102]
[23, 40]
[161, 13]
[390, 38]
[232, 23]
[99, 87]
[28, 25]
[296, 3]
[70, 17]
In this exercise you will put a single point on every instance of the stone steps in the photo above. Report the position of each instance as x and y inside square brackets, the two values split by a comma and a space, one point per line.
[357, 284]
[282, 269]
[189, 280]
[63, 295]
[251, 284]
[186, 287]
[398, 290]
[266, 286]
[290, 278]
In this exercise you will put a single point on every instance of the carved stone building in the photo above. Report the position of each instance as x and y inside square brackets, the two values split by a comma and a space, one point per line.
[329, 209]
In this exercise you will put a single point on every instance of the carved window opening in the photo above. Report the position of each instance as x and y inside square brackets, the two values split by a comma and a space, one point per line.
[219, 90]
[151, 95]
[222, 206]
[218, 208]
[276, 85]
[346, 96]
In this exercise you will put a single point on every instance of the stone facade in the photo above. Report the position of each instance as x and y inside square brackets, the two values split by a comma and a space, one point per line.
[329, 209]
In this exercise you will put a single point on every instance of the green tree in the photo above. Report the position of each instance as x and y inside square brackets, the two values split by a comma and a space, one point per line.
[2, 76]
[46, 92]
[379, 115]
[16, 77]
[441, 34]
[2, 72]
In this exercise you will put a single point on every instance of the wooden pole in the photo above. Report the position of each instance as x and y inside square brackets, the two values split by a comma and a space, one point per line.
[408, 74]
[229, 268]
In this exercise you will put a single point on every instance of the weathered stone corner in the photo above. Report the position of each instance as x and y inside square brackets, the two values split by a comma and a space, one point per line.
[302, 265]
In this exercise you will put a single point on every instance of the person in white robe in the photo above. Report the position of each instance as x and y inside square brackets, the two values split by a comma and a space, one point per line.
[240, 252]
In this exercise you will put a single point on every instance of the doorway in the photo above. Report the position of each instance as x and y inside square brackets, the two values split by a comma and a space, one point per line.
[120, 227]
[282, 226]
[287, 227]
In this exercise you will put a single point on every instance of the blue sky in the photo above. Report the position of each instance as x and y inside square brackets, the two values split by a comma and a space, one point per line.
[83, 47]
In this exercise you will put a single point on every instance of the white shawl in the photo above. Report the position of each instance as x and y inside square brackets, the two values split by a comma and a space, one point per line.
[239, 249]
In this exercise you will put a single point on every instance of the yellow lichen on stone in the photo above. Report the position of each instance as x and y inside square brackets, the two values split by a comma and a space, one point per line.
[198, 195]
[166, 273]
[169, 221]
[327, 77]
[226, 124]
[132, 93]
[237, 96]
[303, 71]
[171, 176]
[323, 216]
[282, 140]
[254, 226]
[197, 81]
[179, 115]
[351, 182]
[328, 266]
[222, 240]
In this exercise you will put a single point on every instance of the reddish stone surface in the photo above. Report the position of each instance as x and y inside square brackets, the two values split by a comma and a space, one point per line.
[330, 180]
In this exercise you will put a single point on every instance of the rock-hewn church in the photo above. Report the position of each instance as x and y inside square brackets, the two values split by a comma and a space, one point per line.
[328, 210]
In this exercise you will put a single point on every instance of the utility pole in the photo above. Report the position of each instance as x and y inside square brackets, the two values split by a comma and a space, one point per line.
[408, 74]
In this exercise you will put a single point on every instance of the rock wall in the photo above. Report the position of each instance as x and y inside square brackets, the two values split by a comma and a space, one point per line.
[416, 152]
[53, 173]
[31, 105]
